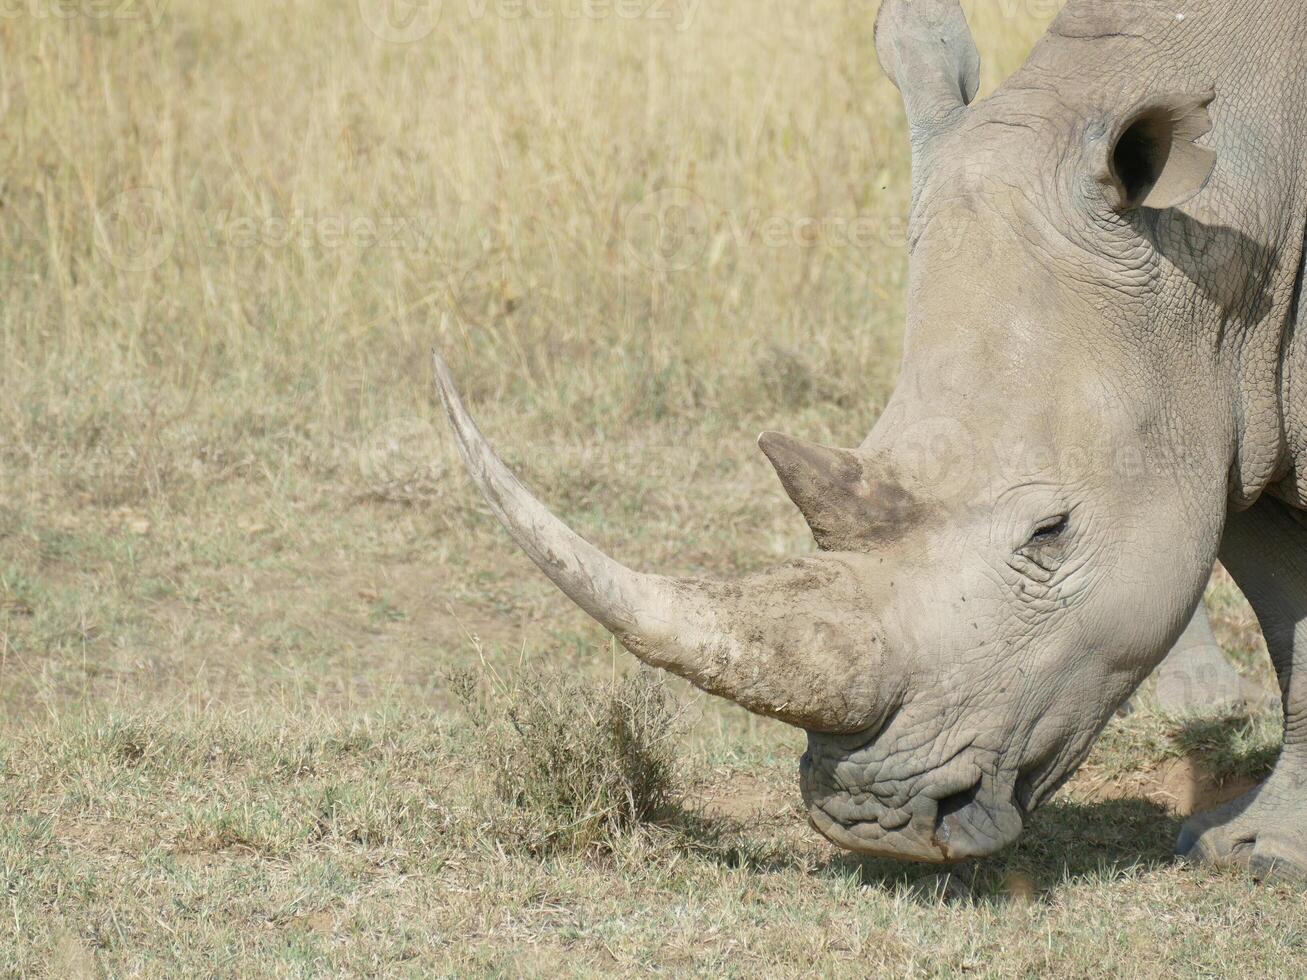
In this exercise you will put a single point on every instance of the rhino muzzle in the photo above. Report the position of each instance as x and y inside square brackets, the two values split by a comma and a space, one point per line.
[966, 808]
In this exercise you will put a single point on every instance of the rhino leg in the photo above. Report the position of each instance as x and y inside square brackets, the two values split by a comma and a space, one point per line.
[1197, 676]
[1265, 549]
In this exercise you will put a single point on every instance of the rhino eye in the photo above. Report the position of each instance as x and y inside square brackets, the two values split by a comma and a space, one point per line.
[1049, 531]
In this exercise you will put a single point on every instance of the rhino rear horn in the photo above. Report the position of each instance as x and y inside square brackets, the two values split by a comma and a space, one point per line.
[843, 506]
[926, 49]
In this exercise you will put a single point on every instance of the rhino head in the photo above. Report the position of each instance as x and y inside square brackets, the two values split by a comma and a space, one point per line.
[1033, 519]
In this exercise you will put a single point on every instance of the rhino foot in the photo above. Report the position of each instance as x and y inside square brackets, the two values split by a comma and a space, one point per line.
[1263, 831]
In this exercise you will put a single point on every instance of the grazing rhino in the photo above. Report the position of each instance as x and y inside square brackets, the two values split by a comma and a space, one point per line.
[1098, 398]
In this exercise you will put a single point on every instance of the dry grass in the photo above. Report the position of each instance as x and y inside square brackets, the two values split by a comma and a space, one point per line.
[237, 562]
[578, 763]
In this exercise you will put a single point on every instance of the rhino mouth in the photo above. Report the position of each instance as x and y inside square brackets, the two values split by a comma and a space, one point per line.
[965, 811]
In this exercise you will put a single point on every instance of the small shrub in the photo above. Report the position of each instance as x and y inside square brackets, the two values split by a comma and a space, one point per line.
[576, 762]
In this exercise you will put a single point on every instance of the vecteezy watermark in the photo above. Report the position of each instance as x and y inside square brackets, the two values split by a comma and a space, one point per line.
[938, 452]
[677, 13]
[135, 230]
[148, 11]
[413, 451]
[400, 21]
[402, 452]
[1036, 10]
[316, 230]
[671, 229]
[668, 230]
[407, 21]
[138, 229]
[809, 231]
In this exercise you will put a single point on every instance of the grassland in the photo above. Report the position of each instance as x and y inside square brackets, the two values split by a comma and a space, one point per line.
[240, 570]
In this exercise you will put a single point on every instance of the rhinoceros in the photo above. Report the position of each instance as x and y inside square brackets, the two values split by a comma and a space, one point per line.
[1097, 400]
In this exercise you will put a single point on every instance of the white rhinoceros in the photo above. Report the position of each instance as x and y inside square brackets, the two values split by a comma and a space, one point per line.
[1099, 396]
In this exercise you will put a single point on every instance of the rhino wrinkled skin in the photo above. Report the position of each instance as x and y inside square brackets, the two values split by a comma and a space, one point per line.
[1097, 400]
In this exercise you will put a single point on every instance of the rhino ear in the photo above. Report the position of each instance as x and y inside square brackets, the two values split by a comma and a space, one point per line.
[827, 485]
[1155, 160]
[926, 49]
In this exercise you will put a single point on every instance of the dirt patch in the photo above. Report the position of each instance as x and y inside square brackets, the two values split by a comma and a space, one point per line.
[746, 798]
[764, 807]
[323, 923]
[739, 797]
[1181, 786]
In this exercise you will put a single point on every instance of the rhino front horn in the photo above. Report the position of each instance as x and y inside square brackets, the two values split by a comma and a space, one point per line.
[791, 642]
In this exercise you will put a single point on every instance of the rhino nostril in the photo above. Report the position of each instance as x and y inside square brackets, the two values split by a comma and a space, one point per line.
[1027, 786]
[950, 805]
